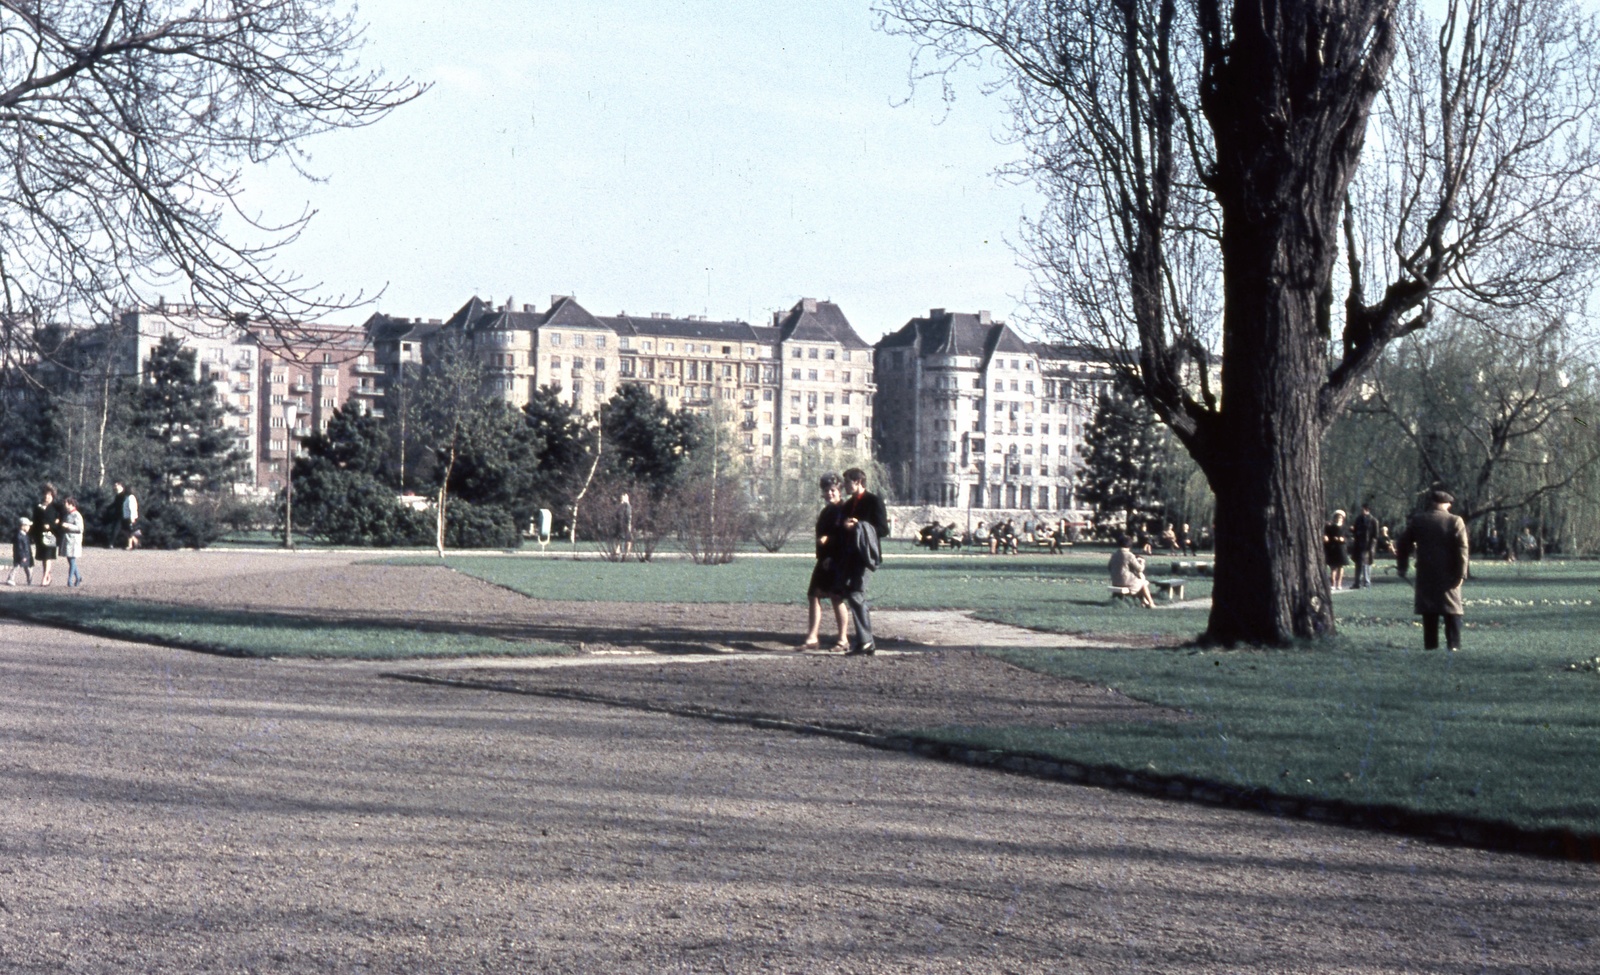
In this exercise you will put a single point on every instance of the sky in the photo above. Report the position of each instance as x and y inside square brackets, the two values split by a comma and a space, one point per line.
[719, 159]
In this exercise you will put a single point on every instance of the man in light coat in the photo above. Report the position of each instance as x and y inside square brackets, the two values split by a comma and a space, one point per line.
[1439, 541]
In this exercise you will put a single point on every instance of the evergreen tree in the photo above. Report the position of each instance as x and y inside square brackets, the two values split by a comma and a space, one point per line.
[338, 491]
[1126, 450]
[646, 441]
[186, 448]
[563, 447]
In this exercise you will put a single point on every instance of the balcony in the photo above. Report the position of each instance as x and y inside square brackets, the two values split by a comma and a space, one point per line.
[300, 387]
[367, 369]
[243, 386]
[747, 425]
[372, 391]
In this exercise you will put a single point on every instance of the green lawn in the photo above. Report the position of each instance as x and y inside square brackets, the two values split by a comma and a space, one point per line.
[1045, 591]
[1502, 730]
[257, 634]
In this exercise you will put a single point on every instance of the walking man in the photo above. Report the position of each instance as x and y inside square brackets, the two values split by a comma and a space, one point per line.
[1439, 540]
[865, 523]
[1364, 545]
[127, 505]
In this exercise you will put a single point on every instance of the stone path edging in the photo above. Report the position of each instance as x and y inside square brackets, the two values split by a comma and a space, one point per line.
[1487, 834]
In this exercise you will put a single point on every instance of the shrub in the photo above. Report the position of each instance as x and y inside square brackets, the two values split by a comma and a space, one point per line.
[480, 526]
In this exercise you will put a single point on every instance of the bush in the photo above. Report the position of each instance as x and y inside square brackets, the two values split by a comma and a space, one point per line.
[178, 524]
[480, 526]
[349, 508]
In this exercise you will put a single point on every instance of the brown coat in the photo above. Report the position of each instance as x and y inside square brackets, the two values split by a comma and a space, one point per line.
[1439, 540]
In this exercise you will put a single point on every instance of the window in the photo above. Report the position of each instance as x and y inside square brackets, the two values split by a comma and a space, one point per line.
[330, 379]
[828, 399]
[1013, 385]
[599, 365]
[846, 377]
[705, 349]
[327, 402]
[555, 362]
[672, 347]
[999, 386]
[1029, 387]
[811, 374]
[845, 398]
[275, 445]
[750, 351]
[844, 421]
[794, 421]
[276, 422]
[577, 343]
[727, 350]
[648, 345]
[811, 400]
[727, 371]
[811, 420]
[766, 396]
[555, 338]
[828, 375]
[829, 354]
[577, 387]
[622, 343]
[827, 420]
[279, 377]
[577, 363]
[599, 341]
[794, 374]
[796, 354]
[766, 440]
[812, 353]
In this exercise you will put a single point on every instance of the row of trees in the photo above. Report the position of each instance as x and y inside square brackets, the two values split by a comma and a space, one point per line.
[70, 422]
[625, 479]
[1503, 410]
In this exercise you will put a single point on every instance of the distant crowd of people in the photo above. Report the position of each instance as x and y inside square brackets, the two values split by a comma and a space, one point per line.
[55, 529]
[1004, 537]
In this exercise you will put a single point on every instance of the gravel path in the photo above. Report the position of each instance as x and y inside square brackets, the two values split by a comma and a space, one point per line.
[171, 812]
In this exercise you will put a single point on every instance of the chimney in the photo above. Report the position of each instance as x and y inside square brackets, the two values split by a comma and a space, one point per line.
[556, 299]
[935, 313]
[528, 309]
[983, 317]
[511, 303]
[808, 305]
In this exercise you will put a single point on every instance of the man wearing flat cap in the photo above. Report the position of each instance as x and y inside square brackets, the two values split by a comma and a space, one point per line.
[1439, 541]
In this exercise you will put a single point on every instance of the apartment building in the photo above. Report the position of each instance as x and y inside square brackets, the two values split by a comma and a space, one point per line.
[804, 380]
[278, 384]
[306, 374]
[971, 414]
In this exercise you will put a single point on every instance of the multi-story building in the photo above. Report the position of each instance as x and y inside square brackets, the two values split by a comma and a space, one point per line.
[307, 373]
[804, 380]
[278, 384]
[971, 414]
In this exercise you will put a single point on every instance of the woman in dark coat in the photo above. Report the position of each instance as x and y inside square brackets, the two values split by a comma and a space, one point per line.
[828, 537]
[46, 532]
[1334, 549]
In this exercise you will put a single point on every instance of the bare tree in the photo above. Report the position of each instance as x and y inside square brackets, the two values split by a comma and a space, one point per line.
[1211, 190]
[128, 125]
[1501, 411]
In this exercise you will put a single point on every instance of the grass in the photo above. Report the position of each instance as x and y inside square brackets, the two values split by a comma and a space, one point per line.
[1502, 730]
[245, 634]
[1043, 591]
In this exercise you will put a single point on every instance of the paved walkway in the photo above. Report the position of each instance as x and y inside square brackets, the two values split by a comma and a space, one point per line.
[171, 812]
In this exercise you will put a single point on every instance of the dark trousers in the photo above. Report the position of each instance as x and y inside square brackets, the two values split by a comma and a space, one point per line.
[1430, 631]
[855, 598]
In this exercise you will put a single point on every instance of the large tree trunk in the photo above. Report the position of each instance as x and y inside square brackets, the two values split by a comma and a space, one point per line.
[1266, 470]
[1288, 109]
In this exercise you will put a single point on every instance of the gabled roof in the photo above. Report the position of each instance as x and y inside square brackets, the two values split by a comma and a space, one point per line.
[817, 321]
[567, 313]
[956, 333]
[388, 328]
[690, 328]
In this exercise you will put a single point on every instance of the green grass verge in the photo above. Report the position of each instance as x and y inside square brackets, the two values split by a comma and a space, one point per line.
[245, 634]
[1501, 731]
[1041, 591]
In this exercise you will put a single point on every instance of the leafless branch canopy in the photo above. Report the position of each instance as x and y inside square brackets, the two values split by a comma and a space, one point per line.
[1475, 135]
[128, 124]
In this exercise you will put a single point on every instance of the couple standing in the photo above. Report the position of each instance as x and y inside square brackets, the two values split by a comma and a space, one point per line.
[849, 532]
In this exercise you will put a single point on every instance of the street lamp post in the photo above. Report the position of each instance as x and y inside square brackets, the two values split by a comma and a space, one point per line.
[290, 411]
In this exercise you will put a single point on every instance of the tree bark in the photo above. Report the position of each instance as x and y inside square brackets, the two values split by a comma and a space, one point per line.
[1288, 99]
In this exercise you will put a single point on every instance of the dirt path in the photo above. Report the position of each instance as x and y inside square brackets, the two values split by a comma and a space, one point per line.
[170, 812]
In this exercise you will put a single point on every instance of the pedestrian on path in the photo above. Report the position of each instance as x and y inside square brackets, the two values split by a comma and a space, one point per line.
[21, 553]
[828, 537]
[1439, 541]
[46, 532]
[72, 540]
[866, 521]
[1364, 545]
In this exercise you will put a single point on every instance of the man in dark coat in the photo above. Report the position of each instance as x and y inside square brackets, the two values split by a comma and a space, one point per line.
[863, 512]
[1439, 540]
[1364, 545]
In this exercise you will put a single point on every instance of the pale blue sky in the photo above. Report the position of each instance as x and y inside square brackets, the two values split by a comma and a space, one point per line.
[617, 150]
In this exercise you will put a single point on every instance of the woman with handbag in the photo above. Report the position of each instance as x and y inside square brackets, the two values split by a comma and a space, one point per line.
[46, 532]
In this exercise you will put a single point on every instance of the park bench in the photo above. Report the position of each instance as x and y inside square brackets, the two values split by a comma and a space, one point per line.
[1196, 568]
[1121, 592]
[1170, 588]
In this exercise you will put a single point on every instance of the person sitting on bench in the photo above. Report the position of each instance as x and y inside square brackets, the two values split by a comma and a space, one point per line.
[1127, 572]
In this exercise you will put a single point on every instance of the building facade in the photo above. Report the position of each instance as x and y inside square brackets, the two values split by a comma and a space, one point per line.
[804, 380]
[278, 385]
[972, 415]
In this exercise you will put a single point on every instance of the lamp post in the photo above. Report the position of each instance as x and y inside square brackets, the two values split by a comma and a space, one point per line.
[290, 411]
